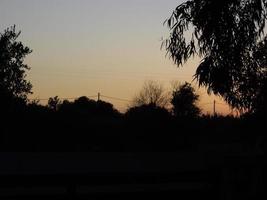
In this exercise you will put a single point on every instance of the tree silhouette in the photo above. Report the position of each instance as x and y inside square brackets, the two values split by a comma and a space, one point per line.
[260, 86]
[12, 68]
[227, 35]
[85, 107]
[54, 103]
[152, 93]
[34, 108]
[184, 101]
[147, 113]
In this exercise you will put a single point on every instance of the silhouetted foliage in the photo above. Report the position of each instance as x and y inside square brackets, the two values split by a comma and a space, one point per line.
[106, 109]
[228, 36]
[259, 105]
[86, 125]
[12, 68]
[184, 99]
[89, 125]
[152, 93]
[147, 112]
[35, 108]
[54, 103]
[85, 107]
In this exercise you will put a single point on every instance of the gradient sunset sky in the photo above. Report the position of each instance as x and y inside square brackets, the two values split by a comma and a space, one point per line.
[82, 47]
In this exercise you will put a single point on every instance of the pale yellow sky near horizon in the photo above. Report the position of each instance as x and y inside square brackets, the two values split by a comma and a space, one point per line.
[82, 47]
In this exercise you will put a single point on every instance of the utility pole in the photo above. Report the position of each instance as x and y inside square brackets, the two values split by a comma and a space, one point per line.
[98, 96]
[214, 108]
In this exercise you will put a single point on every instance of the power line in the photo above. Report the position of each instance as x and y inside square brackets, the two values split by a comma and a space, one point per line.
[115, 98]
[98, 97]
[68, 98]
[204, 104]
[223, 104]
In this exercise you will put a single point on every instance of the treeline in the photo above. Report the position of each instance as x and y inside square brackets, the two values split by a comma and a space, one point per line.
[88, 125]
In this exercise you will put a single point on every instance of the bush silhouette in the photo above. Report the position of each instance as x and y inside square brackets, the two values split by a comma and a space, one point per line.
[184, 101]
[85, 107]
[147, 113]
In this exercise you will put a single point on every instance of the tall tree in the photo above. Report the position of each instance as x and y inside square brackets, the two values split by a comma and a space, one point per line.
[184, 101]
[12, 67]
[227, 35]
[152, 93]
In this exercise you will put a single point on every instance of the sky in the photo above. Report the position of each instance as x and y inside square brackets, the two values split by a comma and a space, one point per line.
[86, 47]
